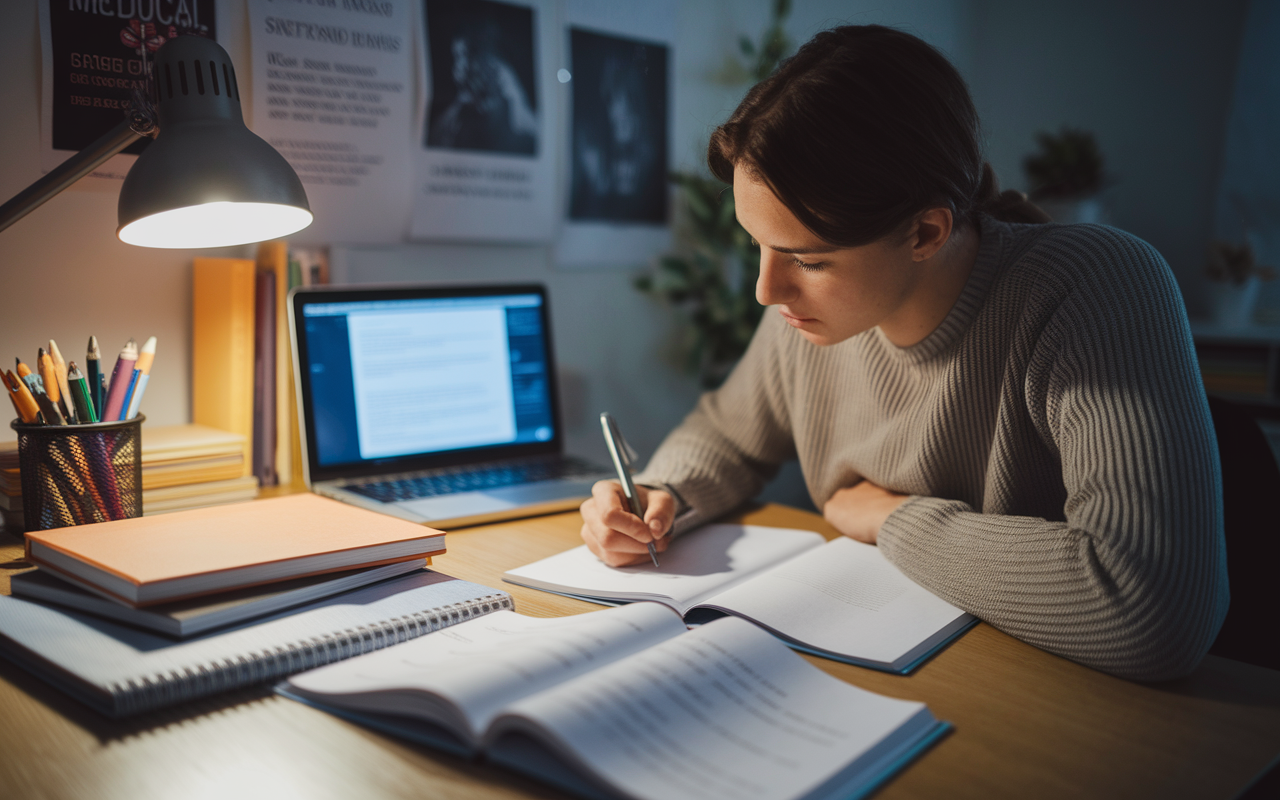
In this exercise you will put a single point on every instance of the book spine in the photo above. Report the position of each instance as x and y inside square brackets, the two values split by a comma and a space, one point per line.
[156, 691]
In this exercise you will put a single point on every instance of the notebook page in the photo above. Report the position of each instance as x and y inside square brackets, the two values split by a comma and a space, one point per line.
[485, 664]
[844, 597]
[694, 567]
[725, 711]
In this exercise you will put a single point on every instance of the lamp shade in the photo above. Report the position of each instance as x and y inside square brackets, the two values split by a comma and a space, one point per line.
[206, 180]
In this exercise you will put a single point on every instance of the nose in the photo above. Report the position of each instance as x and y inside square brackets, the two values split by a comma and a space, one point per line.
[774, 286]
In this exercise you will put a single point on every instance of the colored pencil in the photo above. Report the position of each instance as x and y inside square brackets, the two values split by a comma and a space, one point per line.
[64, 388]
[141, 374]
[93, 366]
[50, 412]
[79, 390]
[8, 389]
[118, 389]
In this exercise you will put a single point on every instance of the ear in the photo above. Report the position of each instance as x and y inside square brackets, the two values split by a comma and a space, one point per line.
[932, 230]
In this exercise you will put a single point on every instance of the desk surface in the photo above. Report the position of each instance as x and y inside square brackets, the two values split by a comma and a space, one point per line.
[1027, 724]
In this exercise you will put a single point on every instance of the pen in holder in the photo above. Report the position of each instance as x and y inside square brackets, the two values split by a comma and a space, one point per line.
[79, 474]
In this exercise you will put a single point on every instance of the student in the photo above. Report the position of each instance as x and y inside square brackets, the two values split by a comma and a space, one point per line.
[1012, 412]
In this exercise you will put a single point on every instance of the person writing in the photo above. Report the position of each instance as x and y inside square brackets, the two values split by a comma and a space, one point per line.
[1011, 411]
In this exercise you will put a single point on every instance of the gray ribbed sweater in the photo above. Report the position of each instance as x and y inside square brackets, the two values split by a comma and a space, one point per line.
[1053, 433]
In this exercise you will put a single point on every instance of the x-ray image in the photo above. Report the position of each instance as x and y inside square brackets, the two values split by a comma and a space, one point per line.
[483, 91]
[619, 145]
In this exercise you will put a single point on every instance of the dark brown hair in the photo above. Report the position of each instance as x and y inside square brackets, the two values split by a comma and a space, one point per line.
[859, 132]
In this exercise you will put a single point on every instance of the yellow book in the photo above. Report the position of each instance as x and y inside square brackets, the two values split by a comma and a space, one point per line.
[222, 347]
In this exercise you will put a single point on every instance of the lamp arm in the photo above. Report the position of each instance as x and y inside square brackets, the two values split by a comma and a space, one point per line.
[140, 122]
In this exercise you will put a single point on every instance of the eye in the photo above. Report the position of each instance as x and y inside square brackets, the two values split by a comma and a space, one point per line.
[807, 266]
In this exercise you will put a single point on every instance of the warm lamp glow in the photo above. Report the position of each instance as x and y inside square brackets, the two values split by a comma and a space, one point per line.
[215, 225]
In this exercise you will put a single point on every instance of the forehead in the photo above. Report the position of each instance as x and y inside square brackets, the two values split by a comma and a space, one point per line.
[769, 221]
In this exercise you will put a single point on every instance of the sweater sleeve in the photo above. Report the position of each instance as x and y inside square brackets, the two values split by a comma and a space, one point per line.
[734, 440]
[1133, 582]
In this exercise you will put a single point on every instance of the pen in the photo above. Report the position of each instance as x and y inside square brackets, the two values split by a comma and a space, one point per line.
[620, 452]
[79, 390]
[64, 388]
[93, 365]
[120, 379]
[141, 374]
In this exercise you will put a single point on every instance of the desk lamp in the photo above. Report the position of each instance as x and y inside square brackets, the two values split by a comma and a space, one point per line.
[206, 180]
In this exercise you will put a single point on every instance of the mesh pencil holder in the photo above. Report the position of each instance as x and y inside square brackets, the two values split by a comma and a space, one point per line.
[79, 474]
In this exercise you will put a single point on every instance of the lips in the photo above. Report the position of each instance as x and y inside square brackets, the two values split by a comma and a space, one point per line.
[793, 319]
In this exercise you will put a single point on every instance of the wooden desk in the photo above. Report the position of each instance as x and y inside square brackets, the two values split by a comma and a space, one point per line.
[1028, 724]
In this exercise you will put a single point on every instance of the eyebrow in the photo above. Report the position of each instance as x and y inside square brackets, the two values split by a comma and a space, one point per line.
[797, 251]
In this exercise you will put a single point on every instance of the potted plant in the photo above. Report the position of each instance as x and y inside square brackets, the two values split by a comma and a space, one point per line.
[1066, 175]
[1237, 279]
[711, 278]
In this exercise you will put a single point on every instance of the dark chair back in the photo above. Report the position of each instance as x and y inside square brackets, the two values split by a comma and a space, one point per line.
[1251, 517]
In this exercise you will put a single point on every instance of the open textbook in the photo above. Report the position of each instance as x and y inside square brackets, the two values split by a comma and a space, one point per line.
[840, 599]
[628, 703]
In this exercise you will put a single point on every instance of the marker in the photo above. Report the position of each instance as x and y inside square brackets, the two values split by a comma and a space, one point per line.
[93, 363]
[28, 409]
[64, 388]
[119, 386]
[79, 391]
[50, 412]
[141, 374]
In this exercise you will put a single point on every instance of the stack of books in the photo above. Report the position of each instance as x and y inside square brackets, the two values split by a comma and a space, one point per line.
[10, 487]
[193, 466]
[139, 613]
[183, 467]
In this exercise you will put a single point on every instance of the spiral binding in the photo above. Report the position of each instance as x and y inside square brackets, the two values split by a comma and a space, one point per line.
[144, 694]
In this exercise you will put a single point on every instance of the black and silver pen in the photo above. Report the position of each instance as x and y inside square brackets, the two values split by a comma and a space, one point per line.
[621, 455]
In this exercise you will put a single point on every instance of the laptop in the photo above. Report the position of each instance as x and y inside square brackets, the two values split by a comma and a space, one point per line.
[433, 404]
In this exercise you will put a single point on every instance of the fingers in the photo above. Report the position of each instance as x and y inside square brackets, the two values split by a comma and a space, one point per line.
[618, 537]
[660, 513]
[611, 511]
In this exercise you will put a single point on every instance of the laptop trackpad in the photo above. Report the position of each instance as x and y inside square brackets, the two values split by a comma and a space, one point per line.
[465, 504]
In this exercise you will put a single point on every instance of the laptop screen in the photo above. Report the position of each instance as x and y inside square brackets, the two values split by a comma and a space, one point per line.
[391, 378]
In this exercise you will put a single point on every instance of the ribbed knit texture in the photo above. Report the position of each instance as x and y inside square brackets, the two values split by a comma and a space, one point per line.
[1053, 433]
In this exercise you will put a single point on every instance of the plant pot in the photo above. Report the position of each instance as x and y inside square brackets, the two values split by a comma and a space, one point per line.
[1233, 303]
[1069, 211]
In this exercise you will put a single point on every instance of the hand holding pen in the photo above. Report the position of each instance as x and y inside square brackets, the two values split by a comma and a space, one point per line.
[616, 531]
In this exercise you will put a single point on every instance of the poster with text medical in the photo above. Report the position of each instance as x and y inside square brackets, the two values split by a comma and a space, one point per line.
[485, 157]
[94, 56]
[333, 92]
[617, 202]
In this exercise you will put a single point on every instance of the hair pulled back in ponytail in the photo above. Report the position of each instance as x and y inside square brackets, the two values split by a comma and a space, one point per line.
[860, 131]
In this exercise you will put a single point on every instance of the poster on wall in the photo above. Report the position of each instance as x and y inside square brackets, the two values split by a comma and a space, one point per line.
[332, 91]
[617, 204]
[485, 159]
[94, 55]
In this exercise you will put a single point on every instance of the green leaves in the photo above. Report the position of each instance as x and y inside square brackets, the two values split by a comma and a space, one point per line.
[1068, 164]
[712, 282]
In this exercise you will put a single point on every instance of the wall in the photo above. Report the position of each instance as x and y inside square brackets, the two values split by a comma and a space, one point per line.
[612, 342]
[1152, 79]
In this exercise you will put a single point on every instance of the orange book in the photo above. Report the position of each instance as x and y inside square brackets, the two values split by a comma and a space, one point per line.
[222, 347]
[149, 560]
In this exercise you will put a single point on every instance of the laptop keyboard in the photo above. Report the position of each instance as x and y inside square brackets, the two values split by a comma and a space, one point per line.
[474, 479]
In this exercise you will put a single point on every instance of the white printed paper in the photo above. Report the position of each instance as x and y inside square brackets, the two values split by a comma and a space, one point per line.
[484, 158]
[332, 91]
[617, 151]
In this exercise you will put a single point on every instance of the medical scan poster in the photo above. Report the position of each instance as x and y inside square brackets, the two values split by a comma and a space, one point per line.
[94, 56]
[486, 150]
[333, 92]
[617, 203]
